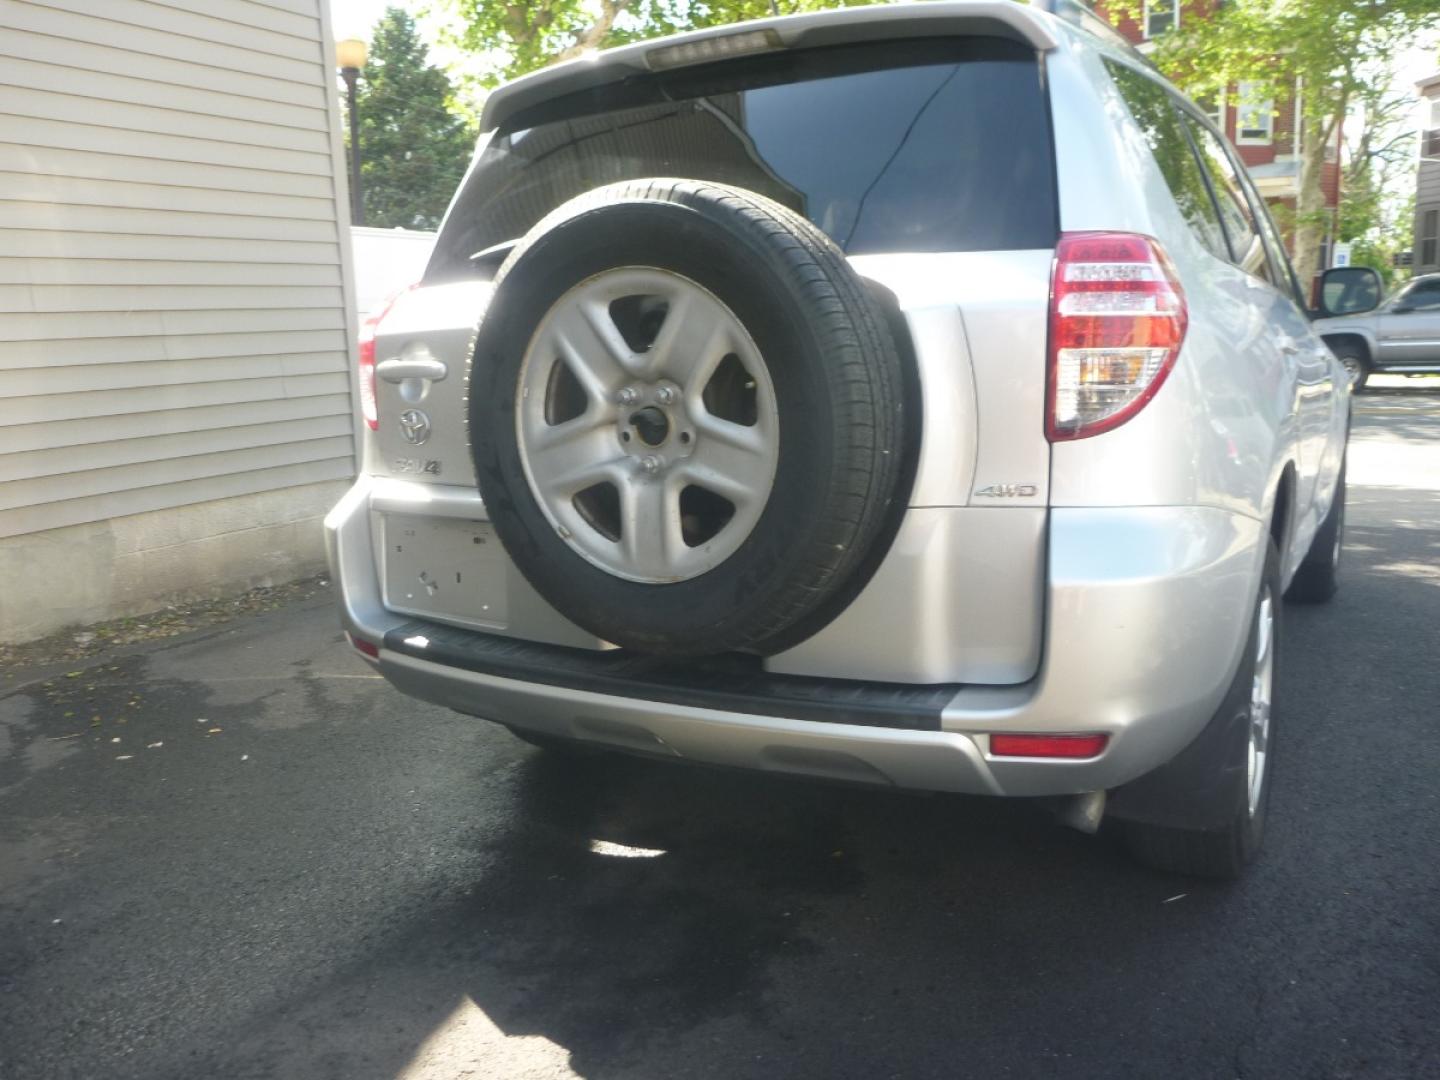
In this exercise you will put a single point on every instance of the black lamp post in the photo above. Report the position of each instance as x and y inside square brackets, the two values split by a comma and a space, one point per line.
[350, 56]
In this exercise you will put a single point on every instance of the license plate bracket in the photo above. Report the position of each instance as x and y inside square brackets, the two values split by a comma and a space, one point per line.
[446, 569]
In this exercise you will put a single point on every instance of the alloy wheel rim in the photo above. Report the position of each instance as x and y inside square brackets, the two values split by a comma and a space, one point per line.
[1352, 369]
[647, 425]
[1261, 688]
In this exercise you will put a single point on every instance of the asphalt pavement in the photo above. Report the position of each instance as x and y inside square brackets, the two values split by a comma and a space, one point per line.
[242, 855]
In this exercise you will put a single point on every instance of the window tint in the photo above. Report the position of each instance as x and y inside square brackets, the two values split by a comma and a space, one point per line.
[1150, 104]
[1248, 250]
[1422, 295]
[936, 145]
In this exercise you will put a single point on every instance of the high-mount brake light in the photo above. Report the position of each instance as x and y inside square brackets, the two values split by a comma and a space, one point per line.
[1117, 320]
[365, 355]
[711, 48]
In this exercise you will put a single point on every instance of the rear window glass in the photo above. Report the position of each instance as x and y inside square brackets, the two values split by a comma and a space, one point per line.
[908, 146]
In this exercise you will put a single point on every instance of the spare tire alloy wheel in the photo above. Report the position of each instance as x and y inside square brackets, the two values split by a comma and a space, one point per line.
[647, 425]
[685, 412]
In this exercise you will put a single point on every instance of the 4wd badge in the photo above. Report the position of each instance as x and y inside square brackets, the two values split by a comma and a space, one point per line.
[1008, 491]
[429, 467]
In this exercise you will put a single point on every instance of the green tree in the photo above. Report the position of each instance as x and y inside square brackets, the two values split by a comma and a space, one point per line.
[1377, 196]
[519, 37]
[413, 149]
[1337, 49]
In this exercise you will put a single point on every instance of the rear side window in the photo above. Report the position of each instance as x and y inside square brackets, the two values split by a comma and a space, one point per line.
[1235, 212]
[1422, 295]
[1150, 105]
[934, 145]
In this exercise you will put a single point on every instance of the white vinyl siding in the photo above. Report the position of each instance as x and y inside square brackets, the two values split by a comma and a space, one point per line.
[173, 315]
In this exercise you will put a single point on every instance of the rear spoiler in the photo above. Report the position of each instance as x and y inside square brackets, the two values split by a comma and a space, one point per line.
[882, 22]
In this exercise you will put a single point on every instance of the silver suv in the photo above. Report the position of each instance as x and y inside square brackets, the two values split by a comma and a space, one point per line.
[916, 395]
[1400, 336]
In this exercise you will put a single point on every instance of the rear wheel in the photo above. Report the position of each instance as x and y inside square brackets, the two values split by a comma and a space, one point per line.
[1247, 765]
[1352, 357]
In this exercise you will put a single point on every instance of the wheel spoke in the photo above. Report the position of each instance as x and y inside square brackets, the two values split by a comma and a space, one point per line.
[570, 457]
[691, 343]
[594, 349]
[1262, 646]
[649, 523]
[731, 460]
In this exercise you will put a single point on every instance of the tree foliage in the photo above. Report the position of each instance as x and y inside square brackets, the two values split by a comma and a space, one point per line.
[517, 37]
[413, 149]
[1339, 50]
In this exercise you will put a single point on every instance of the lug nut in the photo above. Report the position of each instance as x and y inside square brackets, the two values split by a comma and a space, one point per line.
[628, 396]
[650, 463]
[665, 395]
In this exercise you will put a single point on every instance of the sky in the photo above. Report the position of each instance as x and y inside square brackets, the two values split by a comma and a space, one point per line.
[356, 18]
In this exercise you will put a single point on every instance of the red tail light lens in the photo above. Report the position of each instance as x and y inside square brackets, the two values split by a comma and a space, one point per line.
[369, 648]
[1048, 746]
[365, 353]
[1117, 320]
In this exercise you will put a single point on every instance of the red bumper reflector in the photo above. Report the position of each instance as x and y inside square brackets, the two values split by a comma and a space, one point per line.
[1051, 746]
[365, 647]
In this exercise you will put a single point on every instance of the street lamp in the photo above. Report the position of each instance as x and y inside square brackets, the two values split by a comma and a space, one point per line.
[350, 58]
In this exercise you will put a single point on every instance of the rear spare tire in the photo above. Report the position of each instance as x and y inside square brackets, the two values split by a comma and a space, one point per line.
[685, 415]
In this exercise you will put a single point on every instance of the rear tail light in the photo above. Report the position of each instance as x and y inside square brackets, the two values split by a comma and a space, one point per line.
[1117, 319]
[366, 357]
[1048, 746]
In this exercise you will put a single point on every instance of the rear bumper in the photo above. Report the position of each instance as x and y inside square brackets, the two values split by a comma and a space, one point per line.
[1148, 610]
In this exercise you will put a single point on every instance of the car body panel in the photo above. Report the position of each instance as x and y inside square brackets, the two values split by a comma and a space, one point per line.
[1254, 392]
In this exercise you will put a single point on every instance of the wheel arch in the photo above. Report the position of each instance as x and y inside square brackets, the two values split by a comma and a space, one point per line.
[1359, 340]
[1282, 514]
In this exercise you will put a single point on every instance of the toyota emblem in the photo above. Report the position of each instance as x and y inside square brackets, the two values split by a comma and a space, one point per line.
[415, 426]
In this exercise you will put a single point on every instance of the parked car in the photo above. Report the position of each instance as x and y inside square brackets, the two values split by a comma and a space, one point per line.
[1400, 335]
[916, 395]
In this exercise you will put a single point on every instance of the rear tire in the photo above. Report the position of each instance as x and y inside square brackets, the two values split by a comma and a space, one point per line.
[1356, 364]
[1248, 765]
[1318, 577]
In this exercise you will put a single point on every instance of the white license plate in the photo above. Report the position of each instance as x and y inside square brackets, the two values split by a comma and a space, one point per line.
[442, 568]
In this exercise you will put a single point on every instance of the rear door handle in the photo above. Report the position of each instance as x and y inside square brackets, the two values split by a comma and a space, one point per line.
[399, 368]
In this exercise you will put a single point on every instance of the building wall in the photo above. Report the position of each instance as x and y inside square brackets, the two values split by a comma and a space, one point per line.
[175, 318]
[1427, 181]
